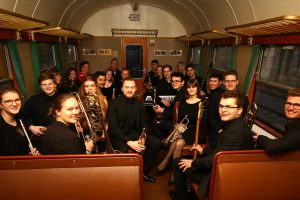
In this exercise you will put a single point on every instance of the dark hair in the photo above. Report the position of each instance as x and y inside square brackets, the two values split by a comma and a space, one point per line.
[154, 61]
[68, 72]
[99, 73]
[83, 63]
[167, 66]
[216, 75]
[190, 65]
[295, 92]
[46, 75]
[5, 89]
[128, 79]
[113, 60]
[178, 74]
[236, 95]
[58, 101]
[180, 62]
[193, 83]
[231, 72]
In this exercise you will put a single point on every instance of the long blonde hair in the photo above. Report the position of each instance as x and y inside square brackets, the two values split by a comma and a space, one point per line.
[101, 97]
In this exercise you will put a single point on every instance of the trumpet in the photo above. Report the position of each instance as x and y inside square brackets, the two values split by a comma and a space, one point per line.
[33, 152]
[179, 128]
[250, 115]
[159, 116]
[142, 138]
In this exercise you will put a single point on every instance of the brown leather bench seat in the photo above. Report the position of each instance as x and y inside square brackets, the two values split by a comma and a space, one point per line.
[74, 177]
[255, 175]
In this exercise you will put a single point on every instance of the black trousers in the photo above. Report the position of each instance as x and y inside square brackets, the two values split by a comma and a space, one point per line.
[180, 178]
[153, 146]
[162, 130]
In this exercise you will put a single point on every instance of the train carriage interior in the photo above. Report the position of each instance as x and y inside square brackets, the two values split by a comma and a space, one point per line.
[258, 39]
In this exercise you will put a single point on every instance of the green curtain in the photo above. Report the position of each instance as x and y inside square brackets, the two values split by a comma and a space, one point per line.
[251, 69]
[35, 64]
[58, 57]
[17, 66]
[233, 57]
[201, 62]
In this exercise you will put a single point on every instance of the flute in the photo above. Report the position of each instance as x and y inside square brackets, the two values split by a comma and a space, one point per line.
[33, 152]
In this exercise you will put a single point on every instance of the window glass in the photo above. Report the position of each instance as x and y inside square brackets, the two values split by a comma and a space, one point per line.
[222, 57]
[134, 60]
[46, 56]
[279, 71]
[5, 73]
[71, 53]
[195, 53]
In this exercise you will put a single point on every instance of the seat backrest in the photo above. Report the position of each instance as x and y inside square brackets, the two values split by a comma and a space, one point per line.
[75, 177]
[254, 174]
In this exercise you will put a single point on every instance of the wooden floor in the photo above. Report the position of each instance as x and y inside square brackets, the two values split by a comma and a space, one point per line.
[160, 189]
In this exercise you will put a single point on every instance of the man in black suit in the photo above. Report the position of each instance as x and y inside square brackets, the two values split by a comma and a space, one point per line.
[291, 139]
[235, 136]
[116, 72]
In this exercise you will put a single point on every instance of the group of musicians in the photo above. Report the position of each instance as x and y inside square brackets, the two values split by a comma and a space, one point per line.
[74, 120]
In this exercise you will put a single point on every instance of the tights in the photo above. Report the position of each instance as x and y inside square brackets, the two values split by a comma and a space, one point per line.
[175, 151]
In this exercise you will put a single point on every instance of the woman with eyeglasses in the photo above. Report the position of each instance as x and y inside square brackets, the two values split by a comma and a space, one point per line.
[12, 137]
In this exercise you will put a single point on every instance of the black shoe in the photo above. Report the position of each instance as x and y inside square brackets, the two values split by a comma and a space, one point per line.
[173, 195]
[149, 178]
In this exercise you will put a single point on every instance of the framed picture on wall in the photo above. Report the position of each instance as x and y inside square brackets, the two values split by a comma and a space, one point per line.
[104, 52]
[160, 52]
[89, 52]
[175, 52]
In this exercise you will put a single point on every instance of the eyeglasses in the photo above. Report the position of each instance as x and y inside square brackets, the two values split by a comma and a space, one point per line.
[10, 102]
[226, 107]
[230, 81]
[294, 105]
[176, 81]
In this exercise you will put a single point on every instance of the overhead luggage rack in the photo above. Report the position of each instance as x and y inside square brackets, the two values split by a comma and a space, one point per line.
[188, 38]
[13, 21]
[274, 26]
[213, 34]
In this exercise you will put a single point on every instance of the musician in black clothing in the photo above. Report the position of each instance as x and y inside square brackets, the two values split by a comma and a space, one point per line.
[235, 136]
[162, 129]
[12, 137]
[116, 72]
[60, 137]
[151, 78]
[125, 123]
[35, 111]
[231, 82]
[291, 139]
[191, 74]
[213, 117]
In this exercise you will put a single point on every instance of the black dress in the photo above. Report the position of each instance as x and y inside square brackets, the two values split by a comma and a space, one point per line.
[61, 139]
[191, 110]
[12, 139]
[108, 92]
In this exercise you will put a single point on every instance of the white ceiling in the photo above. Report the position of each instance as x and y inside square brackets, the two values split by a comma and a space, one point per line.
[195, 15]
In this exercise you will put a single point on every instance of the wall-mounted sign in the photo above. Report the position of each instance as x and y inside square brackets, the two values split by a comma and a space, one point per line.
[175, 52]
[89, 52]
[104, 52]
[160, 52]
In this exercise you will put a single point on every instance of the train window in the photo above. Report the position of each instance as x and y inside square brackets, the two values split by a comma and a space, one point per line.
[71, 54]
[222, 57]
[279, 70]
[195, 54]
[134, 60]
[5, 72]
[46, 56]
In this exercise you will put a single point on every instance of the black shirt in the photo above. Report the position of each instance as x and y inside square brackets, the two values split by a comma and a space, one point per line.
[289, 142]
[36, 110]
[12, 139]
[61, 139]
[125, 117]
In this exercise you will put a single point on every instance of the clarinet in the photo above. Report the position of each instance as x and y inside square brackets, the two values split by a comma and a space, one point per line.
[210, 66]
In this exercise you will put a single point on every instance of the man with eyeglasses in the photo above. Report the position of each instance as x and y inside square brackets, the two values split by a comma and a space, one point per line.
[231, 82]
[235, 136]
[162, 129]
[291, 139]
